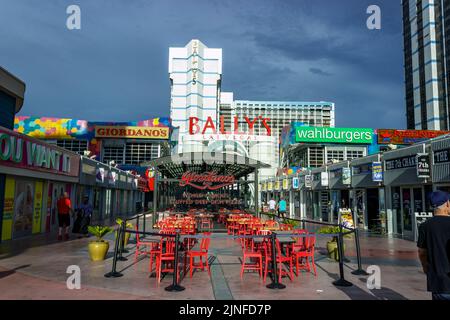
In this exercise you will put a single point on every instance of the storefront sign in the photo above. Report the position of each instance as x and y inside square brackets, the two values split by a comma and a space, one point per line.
[100, 175]
[209, 126]
[442, 156]
[37, 207]
[277, 185]
[346, 176]
[401, 163]
[333, 135]
[208, 180]
[131, 132]
[308, 181]
[270, 186]
[20, 151]
[285, 184]
[405, 137]
[295, 183]
[207, 198]
[324, 179]
[377, 172]
[346, 218]
[8, 208]
[423, 166]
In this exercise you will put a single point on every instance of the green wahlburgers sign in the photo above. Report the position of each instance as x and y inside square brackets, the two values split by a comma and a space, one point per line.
[333, 135]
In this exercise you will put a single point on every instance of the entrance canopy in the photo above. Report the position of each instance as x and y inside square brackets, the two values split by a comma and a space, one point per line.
[199, 162]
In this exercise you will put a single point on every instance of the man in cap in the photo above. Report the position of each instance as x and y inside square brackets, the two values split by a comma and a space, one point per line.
[434, 247]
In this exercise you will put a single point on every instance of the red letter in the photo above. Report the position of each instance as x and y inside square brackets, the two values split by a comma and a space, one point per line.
[250, 124]
[209, 124]
[193, 123]
[264, 122]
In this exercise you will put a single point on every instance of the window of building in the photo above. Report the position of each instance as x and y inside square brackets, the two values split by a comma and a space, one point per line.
[136, 153]
[353, 154]
[113, 153]
[335, 155]
[78, 146]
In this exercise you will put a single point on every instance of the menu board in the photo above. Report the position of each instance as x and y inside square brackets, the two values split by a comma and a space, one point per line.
[346, 218]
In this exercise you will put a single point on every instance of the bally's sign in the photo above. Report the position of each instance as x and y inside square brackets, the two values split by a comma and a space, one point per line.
[210, 127]
[131, 132]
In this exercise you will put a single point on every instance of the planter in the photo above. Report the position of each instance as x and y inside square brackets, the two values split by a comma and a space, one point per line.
[98, 250]
[127, 237]
[333, 252]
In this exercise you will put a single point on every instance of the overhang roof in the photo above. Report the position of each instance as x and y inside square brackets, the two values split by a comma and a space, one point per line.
[223, 163]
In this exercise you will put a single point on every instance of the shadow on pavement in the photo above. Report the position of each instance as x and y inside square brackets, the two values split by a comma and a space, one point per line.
[4, 274]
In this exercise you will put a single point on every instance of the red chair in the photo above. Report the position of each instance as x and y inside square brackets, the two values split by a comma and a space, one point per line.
[166, 256]
[280, 260]
[251, 253]
[139, 244]
[206, 223]
[306, 252]
[201, 253]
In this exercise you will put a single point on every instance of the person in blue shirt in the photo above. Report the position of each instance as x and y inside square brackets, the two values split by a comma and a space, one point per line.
[282, 209]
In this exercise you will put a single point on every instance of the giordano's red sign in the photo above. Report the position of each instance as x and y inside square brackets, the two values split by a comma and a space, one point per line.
[207, 180]
[210, 127]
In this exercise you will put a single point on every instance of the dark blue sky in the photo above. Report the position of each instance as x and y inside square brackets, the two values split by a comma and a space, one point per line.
[115, 67]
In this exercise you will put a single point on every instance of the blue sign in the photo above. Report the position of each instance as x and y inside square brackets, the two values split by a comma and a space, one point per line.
[377, 172]
[295, 183]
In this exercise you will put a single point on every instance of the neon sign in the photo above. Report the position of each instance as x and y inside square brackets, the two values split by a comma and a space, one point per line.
[210, 127]
[207, 180]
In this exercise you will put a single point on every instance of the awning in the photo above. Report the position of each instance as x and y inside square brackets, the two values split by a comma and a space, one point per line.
[198, 162]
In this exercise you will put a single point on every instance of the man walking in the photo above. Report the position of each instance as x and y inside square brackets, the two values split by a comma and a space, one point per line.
[64, 209]
[272, 205]
[434, 247]
[282, 209]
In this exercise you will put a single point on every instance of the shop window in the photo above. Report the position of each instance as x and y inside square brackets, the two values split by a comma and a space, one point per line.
[77, 146]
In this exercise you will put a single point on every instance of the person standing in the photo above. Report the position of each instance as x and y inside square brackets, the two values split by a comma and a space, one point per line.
[272, 205]
[434, 247]
[85, 211]
[64, 209]
[282, 209]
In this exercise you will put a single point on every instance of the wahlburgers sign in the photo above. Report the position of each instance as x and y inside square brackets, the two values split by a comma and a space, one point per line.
[333, 135]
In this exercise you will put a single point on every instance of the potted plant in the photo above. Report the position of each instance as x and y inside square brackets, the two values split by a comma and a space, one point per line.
[99, 247]
[127, 226]
[332, 246]
[292, 223]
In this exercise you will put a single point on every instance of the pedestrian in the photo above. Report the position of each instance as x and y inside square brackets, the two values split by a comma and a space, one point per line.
[272, 206]
[434, 247]
[64, 209]
[282, 209]
[84, 214]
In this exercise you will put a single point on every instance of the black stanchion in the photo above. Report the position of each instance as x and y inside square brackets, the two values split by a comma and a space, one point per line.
[175, 286]
[122, 242]
[360, 271]
[114, 273]
[143, 225]
[341, 282]
[275, 284]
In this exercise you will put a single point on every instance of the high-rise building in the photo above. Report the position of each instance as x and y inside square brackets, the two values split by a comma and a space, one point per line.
[426, 30]
[195, 73]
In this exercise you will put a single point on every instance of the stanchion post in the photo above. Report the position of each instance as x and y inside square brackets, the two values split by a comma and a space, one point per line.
[175, 286]
[114, 273]
[275, 284]
[122, 242]
[360, 271]
[341, 282]
[144, 225]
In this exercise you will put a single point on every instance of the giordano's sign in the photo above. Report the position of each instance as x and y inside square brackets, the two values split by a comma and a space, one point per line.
[131, 132]
[333, 135]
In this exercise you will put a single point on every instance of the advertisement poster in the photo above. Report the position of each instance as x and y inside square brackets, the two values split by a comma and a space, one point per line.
[308, 181]
[346, 176]
[23, 209]
[37, 207]
[295, 183]
[324, 179]
[377, 172]
[8, 209]
[423, 166]
[285, 184]
[277, 185]
[270, 186]
[346, 218]
[100, 175]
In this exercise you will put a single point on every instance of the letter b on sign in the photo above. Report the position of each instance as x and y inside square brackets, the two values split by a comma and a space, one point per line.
[374, 21]
[74, 20]
[74, 280]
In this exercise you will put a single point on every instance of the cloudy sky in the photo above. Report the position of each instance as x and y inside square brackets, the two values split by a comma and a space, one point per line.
[115, 67]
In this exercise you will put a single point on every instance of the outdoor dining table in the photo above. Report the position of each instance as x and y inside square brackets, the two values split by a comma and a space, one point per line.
[283, 239]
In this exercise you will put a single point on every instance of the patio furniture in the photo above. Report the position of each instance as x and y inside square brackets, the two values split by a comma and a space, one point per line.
[305, 251]
[201, 253]
[250, 253]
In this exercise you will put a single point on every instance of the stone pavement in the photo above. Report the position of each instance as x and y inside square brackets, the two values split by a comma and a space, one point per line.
[35, 268]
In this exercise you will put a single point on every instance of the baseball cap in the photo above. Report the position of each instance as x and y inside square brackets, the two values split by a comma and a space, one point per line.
[438, 198]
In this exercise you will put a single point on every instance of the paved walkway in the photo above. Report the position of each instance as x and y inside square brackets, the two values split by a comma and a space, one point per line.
[35, 268]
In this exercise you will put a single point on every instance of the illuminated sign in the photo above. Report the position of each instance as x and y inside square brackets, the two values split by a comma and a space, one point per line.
[391, 136]
[333, 135]
[207, 180]
[131, 132]
[209, 126]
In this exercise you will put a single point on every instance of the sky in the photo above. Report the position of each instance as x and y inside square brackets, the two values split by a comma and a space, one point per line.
[116, 67]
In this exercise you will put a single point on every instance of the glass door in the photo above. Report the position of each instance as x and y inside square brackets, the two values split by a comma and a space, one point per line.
[407, 213]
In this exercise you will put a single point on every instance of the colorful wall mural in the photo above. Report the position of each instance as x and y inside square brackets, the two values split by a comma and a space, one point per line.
[62, 128]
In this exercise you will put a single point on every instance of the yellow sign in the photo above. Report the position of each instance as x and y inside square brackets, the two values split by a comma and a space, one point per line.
[8, 209]
[37, 207]
[269, 186]
[132, 132]
[285, 184]
[277, 185]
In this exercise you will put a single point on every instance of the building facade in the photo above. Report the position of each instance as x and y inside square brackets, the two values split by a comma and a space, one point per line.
[426, 29]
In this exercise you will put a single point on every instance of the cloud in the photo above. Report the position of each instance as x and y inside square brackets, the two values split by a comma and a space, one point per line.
[319, 72]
